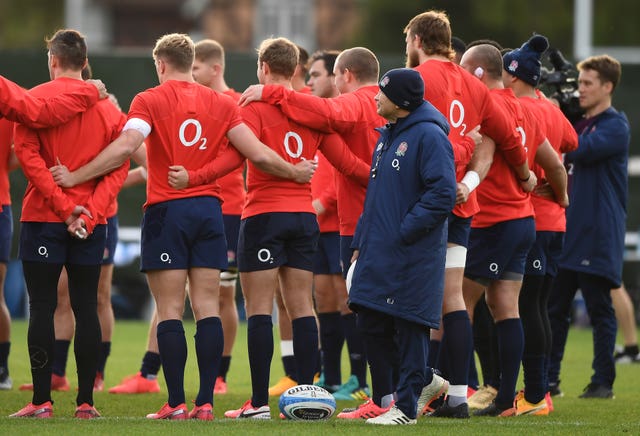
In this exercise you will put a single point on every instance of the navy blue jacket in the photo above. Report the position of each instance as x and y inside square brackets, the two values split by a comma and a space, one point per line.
[597, 213]
[402, 232]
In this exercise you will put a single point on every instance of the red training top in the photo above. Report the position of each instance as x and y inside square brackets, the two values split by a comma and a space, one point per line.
[323, 188]
[189, 123]
[352, 115]
[499, 195]
[6, 140]
[232, 185]
[466, 103]
[73, 144]
[293, 142]
[550, 216]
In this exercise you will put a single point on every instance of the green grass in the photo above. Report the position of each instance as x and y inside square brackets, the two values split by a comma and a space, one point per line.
[124, 414]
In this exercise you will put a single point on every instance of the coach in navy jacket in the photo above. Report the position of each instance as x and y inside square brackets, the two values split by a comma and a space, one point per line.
[401, 238]
[594, 242]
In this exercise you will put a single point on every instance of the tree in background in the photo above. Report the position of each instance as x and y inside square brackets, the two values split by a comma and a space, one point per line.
[22, 22]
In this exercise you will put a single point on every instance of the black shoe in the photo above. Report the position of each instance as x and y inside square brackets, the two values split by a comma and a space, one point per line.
[493, 410]
[594, 390]
[554, 390]
[446, 411]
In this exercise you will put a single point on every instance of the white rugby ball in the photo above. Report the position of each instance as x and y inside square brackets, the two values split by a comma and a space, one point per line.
[307, 403]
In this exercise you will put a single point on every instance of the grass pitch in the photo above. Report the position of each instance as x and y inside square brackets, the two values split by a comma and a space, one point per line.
[124, 414]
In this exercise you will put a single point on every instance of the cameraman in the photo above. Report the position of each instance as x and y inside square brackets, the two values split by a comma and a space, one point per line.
[594, 245]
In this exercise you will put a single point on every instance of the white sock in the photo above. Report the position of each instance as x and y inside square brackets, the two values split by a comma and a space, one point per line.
[456, 395]
[386, 401]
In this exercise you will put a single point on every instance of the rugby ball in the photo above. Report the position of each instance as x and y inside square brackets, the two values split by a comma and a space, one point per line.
[307, 403]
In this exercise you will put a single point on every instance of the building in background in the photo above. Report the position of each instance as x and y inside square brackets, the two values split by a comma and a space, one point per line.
[239, 25]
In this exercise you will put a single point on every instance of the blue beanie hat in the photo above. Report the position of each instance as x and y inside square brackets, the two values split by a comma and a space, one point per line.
[404, 87]
[524, 62]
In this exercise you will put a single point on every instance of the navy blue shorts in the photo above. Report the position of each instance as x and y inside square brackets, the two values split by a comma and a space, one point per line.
[346, 253]
[231, 231]
[271, 240]
[182, 234]
[499, 252]
[52, 243]
[459, 229]
[112, 240]
[327, 258]
[6, 231]
[544, 254]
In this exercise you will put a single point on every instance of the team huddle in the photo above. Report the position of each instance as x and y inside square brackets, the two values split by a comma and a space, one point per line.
[439, 191]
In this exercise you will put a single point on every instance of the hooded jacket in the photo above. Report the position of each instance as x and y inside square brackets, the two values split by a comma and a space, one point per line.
[597, 213]
[402, 233]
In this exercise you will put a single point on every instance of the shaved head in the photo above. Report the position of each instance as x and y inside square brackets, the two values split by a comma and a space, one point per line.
[485, 56]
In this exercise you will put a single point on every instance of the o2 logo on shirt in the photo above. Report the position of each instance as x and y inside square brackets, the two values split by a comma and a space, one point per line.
[456, 116]
[197, 136]
[523, 138]
[288, 139]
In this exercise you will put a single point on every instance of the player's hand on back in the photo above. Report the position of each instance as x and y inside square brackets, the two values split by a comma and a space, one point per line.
[102, 89]
[252, 93]
[305, 170]
[62, 176]
[178, 177]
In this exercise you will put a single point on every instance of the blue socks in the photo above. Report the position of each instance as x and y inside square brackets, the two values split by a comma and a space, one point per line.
[209, 344]
[173, 353]
[510, 346]
[305, 348]
[260, 347]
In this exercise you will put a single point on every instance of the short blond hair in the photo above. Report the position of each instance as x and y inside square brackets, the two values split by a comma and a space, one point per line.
[210, 50]
[280, 54]
[177, 49]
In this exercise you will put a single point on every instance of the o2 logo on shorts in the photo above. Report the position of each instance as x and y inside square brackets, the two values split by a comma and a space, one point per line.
[42, 251]
[494, 268]
[264, 255]
[197, 137]
[165, 258]
[537, 264]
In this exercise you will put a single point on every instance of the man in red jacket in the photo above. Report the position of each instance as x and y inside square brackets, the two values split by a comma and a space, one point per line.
[65, 227]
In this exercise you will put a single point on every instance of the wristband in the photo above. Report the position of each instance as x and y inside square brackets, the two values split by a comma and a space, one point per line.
[525, 180]
[471, 179]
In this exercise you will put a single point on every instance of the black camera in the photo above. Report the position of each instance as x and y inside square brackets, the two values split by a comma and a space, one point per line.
[562, 84]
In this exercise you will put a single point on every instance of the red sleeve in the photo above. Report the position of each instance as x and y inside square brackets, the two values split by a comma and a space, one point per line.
[223, 164]
[569, 137]
[324, 114]
[329, 196]
[339, 155]
[463, 150]
[105, 194]
[27, 149]
[506, 139]
[18, 105]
